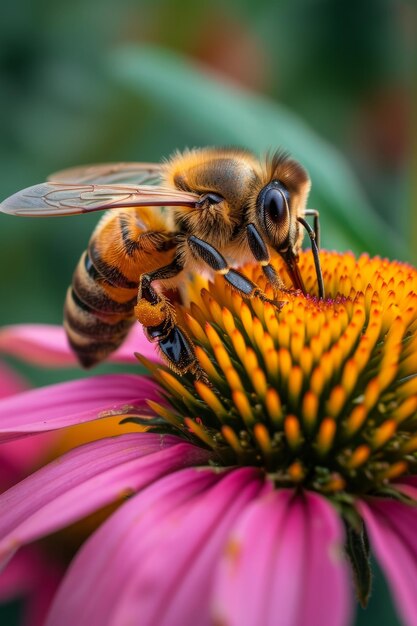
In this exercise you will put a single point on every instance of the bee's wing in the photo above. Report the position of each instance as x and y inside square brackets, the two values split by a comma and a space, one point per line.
[53, 199]
[110, 174]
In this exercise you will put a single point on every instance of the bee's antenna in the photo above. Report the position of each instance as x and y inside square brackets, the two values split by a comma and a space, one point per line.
[316, 257]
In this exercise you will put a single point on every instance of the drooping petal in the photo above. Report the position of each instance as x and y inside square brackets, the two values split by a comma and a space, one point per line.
[39, 600]
[19, 576]
[47, 345]
[65, 404]
[392, 526]
[86, 479]
[284, 565]
[153, 561]
[408, 486]
[10, 382]
[8, 474]
[22, 455]
[32, 577]
[17, 457]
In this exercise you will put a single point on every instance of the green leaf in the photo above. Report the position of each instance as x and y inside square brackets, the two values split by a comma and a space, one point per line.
[215, 112]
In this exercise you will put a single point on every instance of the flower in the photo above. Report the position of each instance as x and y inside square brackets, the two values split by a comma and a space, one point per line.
[257, 484]
[30, 574]
[37, 570]
[47, 345]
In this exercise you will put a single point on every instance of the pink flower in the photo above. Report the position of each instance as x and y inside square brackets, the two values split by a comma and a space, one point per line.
[237, 500]
[31, 574]
[34, 574]
[47, 345]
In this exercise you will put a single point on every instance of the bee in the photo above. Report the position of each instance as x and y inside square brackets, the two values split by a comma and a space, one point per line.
[202, 209]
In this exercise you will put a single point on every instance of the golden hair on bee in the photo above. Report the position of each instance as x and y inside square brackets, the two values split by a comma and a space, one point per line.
[206, 208]
[226, 172]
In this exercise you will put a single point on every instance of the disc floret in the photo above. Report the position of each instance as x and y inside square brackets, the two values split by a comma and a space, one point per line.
[319, 393]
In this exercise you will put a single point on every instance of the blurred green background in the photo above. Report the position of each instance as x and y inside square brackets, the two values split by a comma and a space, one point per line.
[95, 80]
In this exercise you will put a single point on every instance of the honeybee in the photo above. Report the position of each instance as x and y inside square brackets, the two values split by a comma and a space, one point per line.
[203, 208]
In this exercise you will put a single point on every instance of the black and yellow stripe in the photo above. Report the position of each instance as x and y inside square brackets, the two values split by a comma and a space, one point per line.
[99, 306]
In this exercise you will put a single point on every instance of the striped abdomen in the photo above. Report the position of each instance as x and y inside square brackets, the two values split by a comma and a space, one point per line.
[98, 310]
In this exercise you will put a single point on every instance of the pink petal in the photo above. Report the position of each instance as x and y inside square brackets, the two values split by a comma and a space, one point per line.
[74, 402]
[153, 561]
[22, 455]
[392, 528]
[408, 486]
[38, 602]
[10, 382]
[19, 576]
[284, 565]
[30, 576]
[47, 345]
[86, 479]
[16, 457]
[9, 475]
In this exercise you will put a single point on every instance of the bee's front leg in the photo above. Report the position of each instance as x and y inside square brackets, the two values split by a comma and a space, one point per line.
[260, 251]
[157, 316]
[207, 253]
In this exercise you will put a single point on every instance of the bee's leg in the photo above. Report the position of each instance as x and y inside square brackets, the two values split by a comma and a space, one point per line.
[147, 292]
[260, 252]
[157, 317]
[207, 253]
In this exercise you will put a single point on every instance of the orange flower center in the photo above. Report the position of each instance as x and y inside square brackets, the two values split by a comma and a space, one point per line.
[319, 393]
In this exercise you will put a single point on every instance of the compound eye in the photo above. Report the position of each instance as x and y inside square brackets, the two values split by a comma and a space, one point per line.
[275, 205]
[273, 209]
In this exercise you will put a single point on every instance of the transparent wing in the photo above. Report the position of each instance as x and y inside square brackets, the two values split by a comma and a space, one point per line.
[54, 199]
[111, 174]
